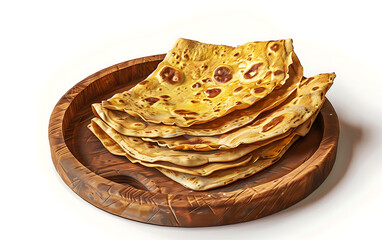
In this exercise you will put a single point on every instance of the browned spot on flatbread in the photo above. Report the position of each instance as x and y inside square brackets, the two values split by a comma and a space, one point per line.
[293, 118]
[278, 72]
[306, 81]
[151, 100]
[275, 47]
[170, 75]
[194, 141]
[223, 135]
[213, 92]
[273, 123]
[259, 90]
[192, 179]
[258, 122]
[185, 112]
[238, 89]
[222, 74]
[165, 96]
[253, 71]
[149, 145]
[196, 85]
[189, 118]
[206, 80]
[143, 82]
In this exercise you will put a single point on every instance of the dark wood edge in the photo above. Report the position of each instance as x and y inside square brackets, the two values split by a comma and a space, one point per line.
[79, 176]
[60, 152]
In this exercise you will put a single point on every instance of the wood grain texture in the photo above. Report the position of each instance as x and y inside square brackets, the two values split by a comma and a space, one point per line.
[143, 194]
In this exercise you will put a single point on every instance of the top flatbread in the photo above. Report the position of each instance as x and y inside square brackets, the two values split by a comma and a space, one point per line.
[128, 125]
[198, 82]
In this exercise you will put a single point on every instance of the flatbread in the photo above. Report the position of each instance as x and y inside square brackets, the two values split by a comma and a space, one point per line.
[223, 177]
[301, 105]
[152, 153]
[128, 125]
[198, 82]
[202, 170]
[271, 150]
[114, 148]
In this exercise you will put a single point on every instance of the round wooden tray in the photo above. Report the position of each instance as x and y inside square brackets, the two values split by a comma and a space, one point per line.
[135, 192]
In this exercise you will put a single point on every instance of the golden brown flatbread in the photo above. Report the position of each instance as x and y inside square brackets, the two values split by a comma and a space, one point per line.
[224, 177]
[152, 153]
[128, 125]
[210, 114]
[301, 105]
[114, 148]
[198, 82]
[271, 150]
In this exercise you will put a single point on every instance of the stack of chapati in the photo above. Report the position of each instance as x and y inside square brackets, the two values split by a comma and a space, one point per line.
[212, 114]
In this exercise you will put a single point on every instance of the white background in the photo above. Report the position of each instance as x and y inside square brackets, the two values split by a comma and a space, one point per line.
[46, 47]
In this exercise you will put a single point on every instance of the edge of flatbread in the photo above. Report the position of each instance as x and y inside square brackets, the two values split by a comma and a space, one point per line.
[223, 177]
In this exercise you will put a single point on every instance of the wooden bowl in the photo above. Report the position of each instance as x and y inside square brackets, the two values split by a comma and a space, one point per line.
[135, 192]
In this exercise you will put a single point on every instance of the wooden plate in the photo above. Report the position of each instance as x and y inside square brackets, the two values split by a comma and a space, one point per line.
[135, 192]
